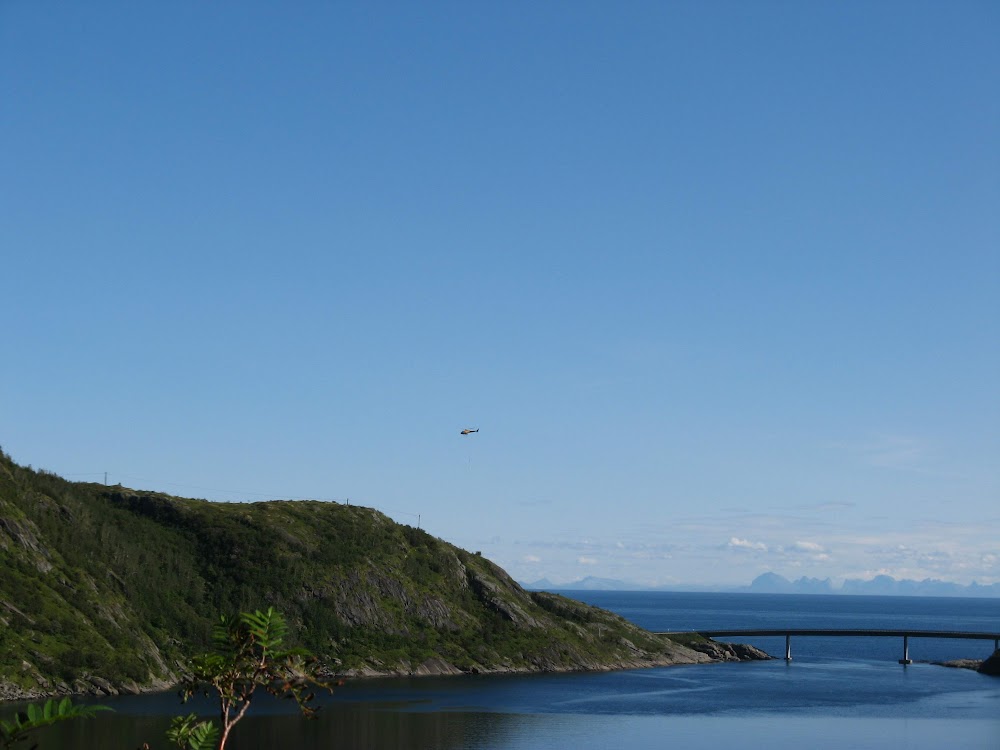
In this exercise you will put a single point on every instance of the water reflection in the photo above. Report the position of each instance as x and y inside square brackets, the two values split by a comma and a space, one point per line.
[732, 705]
[369, 730]
[339, 728]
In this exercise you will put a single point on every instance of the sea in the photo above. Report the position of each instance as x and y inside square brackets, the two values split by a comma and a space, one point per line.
[835, 692]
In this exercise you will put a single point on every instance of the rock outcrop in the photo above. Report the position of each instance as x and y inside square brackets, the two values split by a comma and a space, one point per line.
[972, 664]
[731, 651]
[991, 666]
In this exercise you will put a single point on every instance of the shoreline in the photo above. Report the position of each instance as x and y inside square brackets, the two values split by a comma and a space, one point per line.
[709, 652]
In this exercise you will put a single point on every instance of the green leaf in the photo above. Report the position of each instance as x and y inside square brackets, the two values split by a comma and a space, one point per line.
[35, 717]
[189, 733]
[268, 628]
[204, 736]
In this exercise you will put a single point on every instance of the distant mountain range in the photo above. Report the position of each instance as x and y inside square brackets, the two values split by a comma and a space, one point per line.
[592, 583]
[772, 583]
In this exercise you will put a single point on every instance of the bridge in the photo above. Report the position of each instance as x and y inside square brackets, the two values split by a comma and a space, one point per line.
[906, 635]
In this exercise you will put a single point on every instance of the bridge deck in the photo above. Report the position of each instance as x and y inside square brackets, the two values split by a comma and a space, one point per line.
[849, 632]
[906, 635]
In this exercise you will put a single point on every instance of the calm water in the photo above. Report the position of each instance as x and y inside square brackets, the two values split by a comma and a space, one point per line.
[836, 693]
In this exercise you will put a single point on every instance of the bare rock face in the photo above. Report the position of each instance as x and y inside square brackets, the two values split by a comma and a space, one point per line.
[436, 666]
[500, 598]
[991, 666]
[745, 652]
[731, 651]
[24, 534]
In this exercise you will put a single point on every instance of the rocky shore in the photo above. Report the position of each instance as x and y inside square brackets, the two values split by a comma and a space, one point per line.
[89, 685]
[990, 666]
[705, 652]
[673, 654]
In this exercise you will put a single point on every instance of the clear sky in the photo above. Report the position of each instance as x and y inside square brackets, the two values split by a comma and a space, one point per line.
[719, 282]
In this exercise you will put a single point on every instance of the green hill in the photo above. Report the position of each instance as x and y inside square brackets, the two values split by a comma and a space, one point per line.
[107, 588]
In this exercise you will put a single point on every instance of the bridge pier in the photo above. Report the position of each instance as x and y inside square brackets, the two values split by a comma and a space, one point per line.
[788, 647]
[906, 651]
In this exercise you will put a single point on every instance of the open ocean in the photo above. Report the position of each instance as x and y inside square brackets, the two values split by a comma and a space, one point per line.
[835, 693]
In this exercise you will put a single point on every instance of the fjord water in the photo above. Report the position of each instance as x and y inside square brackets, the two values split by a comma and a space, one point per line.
[836, 693]
[664, 611]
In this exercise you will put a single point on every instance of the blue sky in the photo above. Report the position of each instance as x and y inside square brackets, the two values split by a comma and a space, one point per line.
[719, 282]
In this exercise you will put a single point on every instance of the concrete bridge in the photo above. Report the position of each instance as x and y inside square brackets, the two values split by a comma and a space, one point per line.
[906, 635]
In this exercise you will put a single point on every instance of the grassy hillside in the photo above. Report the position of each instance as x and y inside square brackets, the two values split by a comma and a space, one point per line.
[106, 586]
